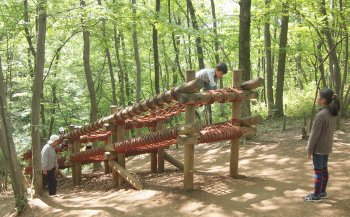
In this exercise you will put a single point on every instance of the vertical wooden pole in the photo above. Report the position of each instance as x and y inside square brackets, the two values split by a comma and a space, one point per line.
[121, 157]
[189, 148]
[154, 160]
[105, 162]
[114, 109]
[160, 151]
[236, 113]
[72, 152]
[78, 164]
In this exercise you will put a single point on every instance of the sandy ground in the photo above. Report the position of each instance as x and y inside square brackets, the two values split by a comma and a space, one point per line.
[274, 176]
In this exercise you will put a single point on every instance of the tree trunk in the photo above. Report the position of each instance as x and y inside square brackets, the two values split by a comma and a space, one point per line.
[137, 56]
[37, 91]
[333, 51]
[244, 48]
[155, 50]
[269, 68]
[87, 68]
[320, 65]
[176, 46]
[8, 147]
[129, 92]
[198, 39]
[216, 41]
[120, 66]
[54, 100]
[26, 29]
[109, 60]
[282, 61]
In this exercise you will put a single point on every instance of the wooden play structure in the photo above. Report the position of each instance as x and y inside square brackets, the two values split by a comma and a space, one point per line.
[153, 113]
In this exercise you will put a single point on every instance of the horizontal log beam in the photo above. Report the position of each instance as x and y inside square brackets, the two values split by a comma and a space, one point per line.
[248, 121]
[136, 109]
[252, 84]
[125, 175]
[206, 97]
[173, 161]
[157, 101]
[249, 131]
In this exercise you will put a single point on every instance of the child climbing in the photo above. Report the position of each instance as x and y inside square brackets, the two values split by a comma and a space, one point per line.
[211, 76]
[321, 142]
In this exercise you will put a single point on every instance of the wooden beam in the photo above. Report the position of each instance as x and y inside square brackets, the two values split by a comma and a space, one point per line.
[236, 113]
[249, 131]
[125, 175]
[173, 161]
[252, 84]
[207, 97]
[248, 121]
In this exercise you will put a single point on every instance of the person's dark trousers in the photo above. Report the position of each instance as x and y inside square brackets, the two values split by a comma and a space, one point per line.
[50, 181]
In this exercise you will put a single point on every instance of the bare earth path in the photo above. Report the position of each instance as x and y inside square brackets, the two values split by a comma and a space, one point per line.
[275, 175]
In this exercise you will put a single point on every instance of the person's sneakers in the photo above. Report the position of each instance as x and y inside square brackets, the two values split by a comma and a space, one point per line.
[312, 198]
[323, 195]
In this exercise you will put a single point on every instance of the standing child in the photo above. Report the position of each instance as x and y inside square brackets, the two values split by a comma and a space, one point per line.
[321, 142]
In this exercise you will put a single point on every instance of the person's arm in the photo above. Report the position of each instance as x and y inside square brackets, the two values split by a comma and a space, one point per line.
[315, 134]
[56, 165]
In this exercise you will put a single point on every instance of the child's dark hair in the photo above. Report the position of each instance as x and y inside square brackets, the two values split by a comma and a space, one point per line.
[333, 104]
[221, 67]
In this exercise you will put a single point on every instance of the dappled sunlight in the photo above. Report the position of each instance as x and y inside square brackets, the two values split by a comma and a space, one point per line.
[274, 175]
[245, 197]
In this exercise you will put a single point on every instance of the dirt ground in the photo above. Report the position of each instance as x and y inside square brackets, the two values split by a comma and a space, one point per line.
[274, 176]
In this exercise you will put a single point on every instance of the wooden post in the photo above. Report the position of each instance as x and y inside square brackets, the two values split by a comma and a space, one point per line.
[113, 140]
[236, 113]
[76, 170]
[105, 162]
[120, 130]
[153, 156]
[160, 152]
[189, 148]
[72, 152]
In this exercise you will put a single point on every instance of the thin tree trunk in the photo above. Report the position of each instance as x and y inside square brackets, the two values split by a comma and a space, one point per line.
[26, 29]
[111, 74]
[128, 91]
[244, 48]
[54, 99]
[88, 73]
[189, 41]
[37, 91]
[216, 41]
[87, 68]
[137, 56]
[155, 50]
[176, 46]
[9, 150]
[121, 71]
[109, 60]
[198, 39]
[282, 61]
[333, 52]
[321, 65]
